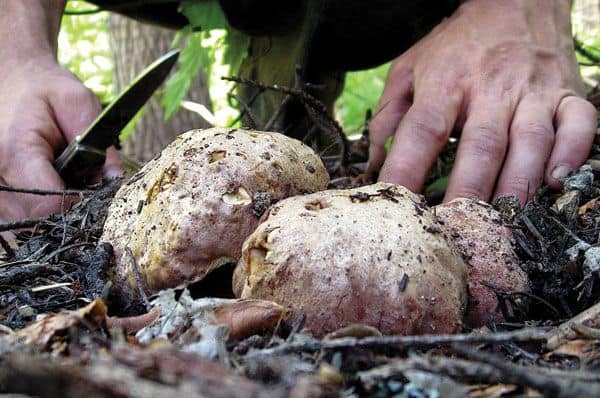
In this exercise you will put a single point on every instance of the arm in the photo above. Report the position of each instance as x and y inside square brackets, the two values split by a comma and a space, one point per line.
[505, 73]
[42, 107]
[30, 27]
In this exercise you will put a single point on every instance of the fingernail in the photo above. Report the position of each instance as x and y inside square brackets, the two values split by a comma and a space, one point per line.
[561, 172]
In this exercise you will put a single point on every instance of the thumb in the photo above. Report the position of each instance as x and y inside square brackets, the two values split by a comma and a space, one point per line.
[75, 107]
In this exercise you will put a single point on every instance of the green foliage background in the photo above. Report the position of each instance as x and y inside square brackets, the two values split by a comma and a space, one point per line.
[84, 48]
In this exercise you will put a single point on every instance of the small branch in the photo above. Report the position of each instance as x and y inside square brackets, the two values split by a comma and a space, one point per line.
[43, 192]
[314, 107]
[482, 372]
[525, 335]
[277, 113]
[138, 278]
[20, 224]
[551, 384]
[246, 108]
[565, 332]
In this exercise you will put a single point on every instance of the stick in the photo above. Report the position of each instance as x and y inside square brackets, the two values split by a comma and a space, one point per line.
[525, 335]
[20, 224]
[138, 278]
[549, 385]
[43, 192]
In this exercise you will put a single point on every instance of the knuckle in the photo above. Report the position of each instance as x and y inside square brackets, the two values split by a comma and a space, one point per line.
[379, 130]
[486, 142]
[429, 125]
[73, 92]
[535, 131]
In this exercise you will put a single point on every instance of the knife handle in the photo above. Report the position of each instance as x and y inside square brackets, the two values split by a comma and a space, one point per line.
[78, 163]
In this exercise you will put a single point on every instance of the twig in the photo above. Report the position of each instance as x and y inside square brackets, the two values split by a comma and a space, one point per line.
[243, 111]
[586, 331]
[314, 107]
[16, 275]
[62, 249]
[549, 384]
[20, 224]
[526, 294]
[43, 192]
[525, 335]
[138, 278]
[534, 231]
[248, 110]
[589, 318]
[475, 371]
[277, 113]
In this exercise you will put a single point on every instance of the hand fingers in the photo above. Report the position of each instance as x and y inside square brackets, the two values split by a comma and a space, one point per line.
[384, 123]
[531, 138]
[575, 122]
[421, 135]
[10, 208]
[34, 169]
[75, 108]
[481, 150]
[113, 167]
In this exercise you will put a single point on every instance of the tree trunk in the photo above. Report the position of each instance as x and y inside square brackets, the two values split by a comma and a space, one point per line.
[135, 46]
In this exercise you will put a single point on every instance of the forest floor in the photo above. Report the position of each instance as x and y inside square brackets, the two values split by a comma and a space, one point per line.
[87, 345]
[548, 345]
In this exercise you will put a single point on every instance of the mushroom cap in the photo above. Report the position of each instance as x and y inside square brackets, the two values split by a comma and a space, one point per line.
[188, 210]
[373, 255]
[479, 232]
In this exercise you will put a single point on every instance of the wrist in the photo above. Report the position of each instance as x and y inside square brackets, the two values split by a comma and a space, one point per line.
[544, 22]
[29, 29]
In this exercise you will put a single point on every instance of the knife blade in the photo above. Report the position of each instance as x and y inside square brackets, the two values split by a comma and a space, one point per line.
[87, 153]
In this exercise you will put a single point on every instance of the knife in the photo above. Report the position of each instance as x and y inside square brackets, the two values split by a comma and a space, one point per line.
[87, 153]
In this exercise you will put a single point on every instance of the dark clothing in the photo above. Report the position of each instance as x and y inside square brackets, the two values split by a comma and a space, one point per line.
[344, 34]
[308, 41]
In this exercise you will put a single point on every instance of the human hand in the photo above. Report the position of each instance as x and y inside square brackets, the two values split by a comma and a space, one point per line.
[42, 109]
[504, 72]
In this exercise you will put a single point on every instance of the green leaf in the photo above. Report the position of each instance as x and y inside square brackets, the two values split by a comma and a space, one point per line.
[207, 16]
[440, 183]
[204, 15]
[236, 49]
[192, 58]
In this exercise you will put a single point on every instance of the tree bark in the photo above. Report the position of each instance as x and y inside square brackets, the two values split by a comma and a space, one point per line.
[135, 46]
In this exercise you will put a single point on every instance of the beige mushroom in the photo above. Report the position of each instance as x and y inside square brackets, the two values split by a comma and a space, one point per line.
[189, 210]
[373, 255]
[478, 231]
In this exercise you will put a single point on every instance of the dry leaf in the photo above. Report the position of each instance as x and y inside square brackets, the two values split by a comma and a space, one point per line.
[590, 205]
[134, 323]
[244, 318]
[41, 332]
[581, 349]
[495, 391]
